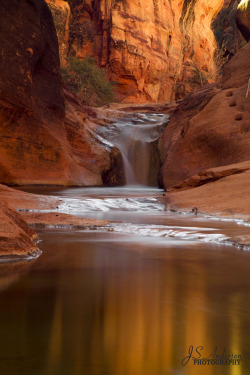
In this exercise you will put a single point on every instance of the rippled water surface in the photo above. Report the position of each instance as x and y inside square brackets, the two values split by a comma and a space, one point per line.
[127, 299]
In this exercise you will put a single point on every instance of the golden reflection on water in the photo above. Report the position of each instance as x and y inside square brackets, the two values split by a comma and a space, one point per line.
[235, 332]
[142, 320]
[107, 310]
[55, 344]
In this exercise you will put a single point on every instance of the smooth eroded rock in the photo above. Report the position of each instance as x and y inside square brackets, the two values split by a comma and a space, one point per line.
[243, 18]
[16, 238]
[44, 139]
[226, 195]
[211, 127]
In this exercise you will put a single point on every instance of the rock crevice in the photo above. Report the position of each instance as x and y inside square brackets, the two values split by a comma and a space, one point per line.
[154, 50]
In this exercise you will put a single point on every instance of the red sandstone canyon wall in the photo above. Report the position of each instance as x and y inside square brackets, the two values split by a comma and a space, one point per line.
[156, 50]
[45, 136]
[210, 128]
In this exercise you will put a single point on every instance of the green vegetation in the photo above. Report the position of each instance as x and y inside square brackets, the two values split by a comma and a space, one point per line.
[88, 81]
[199, 74]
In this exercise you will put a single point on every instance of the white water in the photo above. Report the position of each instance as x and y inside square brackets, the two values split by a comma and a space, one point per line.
[129, 297]
[139, 214]
[134, 136]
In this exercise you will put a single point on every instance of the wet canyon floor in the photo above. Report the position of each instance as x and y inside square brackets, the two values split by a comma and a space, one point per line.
[130, 298]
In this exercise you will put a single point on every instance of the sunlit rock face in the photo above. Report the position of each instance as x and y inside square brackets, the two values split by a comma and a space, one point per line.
[161, 50]
[44, 139]
[243, 18]
[210, 128]
[61, 16]
[156, 50]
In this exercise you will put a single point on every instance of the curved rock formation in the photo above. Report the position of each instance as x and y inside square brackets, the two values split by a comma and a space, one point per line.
[61, 15]
[156, 50]
[243, 18]
[40, 142]
[211, 127]
[222, 191]
[16, 238]
[227, 34]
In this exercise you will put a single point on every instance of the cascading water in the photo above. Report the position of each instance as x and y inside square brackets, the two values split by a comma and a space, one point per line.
[136, 137]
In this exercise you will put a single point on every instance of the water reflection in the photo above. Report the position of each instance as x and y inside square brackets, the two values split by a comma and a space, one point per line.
[112, 308]
[12, 271]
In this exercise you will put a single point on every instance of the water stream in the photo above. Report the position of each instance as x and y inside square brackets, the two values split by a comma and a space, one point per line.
[136, 137]
[129, 298]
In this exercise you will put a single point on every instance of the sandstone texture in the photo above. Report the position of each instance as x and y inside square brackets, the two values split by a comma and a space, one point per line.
[211, 175]
[53, 219]
[46, 136]
[29, 205]
[155, 50]
[227, 34]
[222, 191]
[243, 18]
[20, 200]
[210, 128]
[61, 16]
[16, 238]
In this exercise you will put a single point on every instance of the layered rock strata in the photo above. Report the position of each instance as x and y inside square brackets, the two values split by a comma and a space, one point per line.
[155, 50]
[227, 34]
[243, 18]
[16, 238]
[208, 133]
[211, 127]
[222, 191]
[44, 138]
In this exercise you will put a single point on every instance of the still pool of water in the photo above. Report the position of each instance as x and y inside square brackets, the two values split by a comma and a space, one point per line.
[129, 301]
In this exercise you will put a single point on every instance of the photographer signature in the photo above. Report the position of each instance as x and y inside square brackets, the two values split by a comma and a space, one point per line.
[195, 353]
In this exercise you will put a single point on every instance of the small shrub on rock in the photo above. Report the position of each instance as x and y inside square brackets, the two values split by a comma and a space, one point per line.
[88, 81]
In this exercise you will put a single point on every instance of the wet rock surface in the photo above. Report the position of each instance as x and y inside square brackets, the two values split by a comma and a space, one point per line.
[16, 238]
[221, 191]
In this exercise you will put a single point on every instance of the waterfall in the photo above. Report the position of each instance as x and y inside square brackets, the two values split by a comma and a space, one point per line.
[136, 137]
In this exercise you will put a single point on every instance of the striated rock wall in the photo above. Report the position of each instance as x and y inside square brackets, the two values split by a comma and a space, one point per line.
[243, 18]
[210, 128]
[16, 238]
[161, 50]
[222, 191]
[61, 16]
[156, 50]
[227, 34]
[44, 139]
